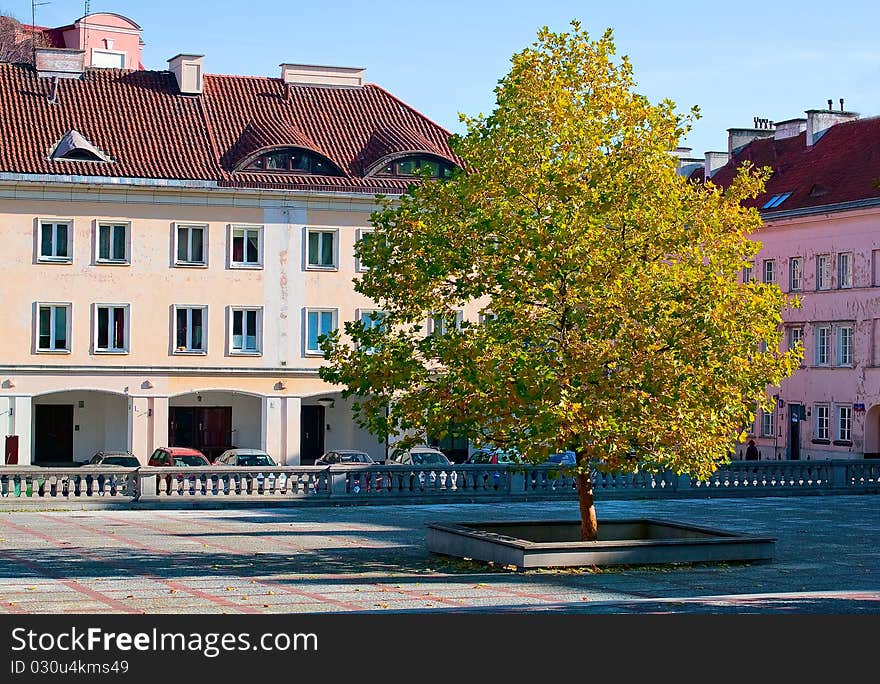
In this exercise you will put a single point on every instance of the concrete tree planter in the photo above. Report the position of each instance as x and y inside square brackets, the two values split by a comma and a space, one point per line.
[546, 544]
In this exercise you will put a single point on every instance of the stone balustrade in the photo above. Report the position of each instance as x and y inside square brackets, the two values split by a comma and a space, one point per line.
[360, 483]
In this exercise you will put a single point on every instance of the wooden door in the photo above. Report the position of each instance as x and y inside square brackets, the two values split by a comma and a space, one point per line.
[311, 431]
[53, 433]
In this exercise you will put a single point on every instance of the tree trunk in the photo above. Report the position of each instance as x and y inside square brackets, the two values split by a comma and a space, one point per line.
[589, 526]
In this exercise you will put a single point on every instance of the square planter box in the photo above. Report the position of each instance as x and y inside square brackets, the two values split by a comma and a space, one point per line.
[553, 544]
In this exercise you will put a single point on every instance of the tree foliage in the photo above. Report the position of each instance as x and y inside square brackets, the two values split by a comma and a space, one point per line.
[17, 44]
[615, 320]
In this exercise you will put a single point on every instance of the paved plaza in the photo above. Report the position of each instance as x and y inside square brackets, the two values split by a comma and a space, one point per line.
[373, 559]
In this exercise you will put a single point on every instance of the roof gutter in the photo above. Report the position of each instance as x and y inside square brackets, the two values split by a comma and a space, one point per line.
[822, 209]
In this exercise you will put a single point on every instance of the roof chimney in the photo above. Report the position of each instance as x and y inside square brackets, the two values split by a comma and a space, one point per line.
[790, 128]
[187, 69]
[737, 138]
[52, 62]
[312, 75]
[713, 162]
[819, 121]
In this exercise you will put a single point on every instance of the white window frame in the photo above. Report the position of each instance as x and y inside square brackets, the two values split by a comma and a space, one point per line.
[844, 422]
[822, 335]
[359, 267]
[205, 235]
[334, 326]
[334, 266]
[844, 354]
[770, 271]
[364, 313]
[52, 259]
[844, 270]
[107, 51]
[795, 274]
[442, 329]
[232, 351]
[246, 228]
[188, 350]
[126, 333]
[823, 271]
[795, 335]
[748, 274]
[126, 225]
[767, 423]
[68, 306]
[822, 421]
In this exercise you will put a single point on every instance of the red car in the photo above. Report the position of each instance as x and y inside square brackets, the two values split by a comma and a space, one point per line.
[178, 456]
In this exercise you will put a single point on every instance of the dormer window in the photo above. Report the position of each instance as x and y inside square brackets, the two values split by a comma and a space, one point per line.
[293, 161]
[74, 147]
[417, 166]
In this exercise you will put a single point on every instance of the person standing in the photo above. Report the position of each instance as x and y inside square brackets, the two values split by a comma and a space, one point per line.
[752, 453]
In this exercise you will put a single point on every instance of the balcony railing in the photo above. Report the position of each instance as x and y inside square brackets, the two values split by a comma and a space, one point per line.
[413, 484]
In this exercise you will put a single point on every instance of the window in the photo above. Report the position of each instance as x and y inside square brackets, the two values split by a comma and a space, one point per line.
[246, 331]
[795, 337]
[823, 345]
[441, 324]
[189, 329]
[318, 322]
[770, 271]
[54, 241]
[844, 423]
[108, 59]
[321, 249]
[111, 328]
[844, 270]
[417, 165]
[372, 319]
[364, 234]
[823, 272]
[53, 327]
[821, 427]
[293, 160]
[246, 244]
[795, 274]
[845, 345]
[112, 243]
[747, 273]
[767, 424]
[776, 200]
[192, 245]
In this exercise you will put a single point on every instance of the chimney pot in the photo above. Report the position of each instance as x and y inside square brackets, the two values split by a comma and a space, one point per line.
[841, 104]
[830, 107]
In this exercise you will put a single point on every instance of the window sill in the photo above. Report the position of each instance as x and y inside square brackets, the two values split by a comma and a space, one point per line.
[109, 262]
[52, 351]
[245, 353]
[317, 354]
[110, 352]
[246, 267]
[821, 441]
[190, 352]
[54, 260]
[842, 442]
[312, 267]
[187, 264]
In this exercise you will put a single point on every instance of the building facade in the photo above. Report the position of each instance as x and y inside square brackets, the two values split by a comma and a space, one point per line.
[821, 245]
[177, 243]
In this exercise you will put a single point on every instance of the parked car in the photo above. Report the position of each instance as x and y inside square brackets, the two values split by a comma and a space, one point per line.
[418, 456]
[167, 456]
[109, 460]
[493, 455]
[251, 458]
[344, 456]
[563, 458]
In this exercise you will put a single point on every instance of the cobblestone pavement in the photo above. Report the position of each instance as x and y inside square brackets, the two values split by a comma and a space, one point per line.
[373, 559]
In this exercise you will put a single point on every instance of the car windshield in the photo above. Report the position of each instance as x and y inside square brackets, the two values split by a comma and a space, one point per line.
[355, 458]
[189, 461]
[127, 461]
[255, 460]
[428, 458]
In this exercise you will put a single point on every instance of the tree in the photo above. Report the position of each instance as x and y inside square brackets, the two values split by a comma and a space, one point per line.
[16, 44]
[614, 321]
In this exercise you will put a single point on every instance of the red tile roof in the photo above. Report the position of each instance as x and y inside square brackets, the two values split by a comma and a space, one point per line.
[150, 130]
[842, 166]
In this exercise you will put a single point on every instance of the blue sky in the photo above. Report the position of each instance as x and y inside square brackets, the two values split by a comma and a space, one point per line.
[736, 60]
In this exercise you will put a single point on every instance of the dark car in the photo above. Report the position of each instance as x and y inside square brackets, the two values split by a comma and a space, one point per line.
[563, 458]
[345, 456]
[109, 460]
[494, 455]
[123, 459]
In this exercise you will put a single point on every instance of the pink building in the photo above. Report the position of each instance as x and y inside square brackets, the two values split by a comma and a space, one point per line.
[108, 40]
[821, 243]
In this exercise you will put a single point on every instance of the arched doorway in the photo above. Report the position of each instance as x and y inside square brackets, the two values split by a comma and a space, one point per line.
[71, 426]
[215, 420]
[872, 432]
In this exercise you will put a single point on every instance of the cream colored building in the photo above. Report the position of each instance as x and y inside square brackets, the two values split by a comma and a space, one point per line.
[176, 243]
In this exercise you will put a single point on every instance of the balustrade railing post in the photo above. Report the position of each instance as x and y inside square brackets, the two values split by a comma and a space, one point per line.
[146, 485]
[838, 475]
[338, 484]
[517, 482]
[683, 482]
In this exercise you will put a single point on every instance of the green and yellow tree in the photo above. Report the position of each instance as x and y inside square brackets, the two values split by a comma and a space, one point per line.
[614, 320]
